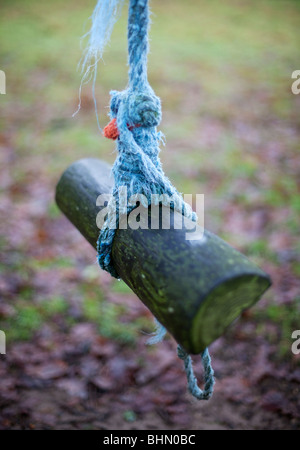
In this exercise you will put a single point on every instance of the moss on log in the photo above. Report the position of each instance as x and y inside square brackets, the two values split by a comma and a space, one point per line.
[195, 288]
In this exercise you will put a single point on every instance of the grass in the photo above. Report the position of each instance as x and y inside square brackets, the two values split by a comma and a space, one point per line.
[113, 320]
[108, 319]
[223, 52]
[287, 319]
[28, 319]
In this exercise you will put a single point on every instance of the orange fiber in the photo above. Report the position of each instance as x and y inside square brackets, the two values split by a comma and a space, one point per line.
[111, 130]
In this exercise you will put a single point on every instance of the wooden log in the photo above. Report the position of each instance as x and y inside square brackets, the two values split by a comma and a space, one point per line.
[194, 288]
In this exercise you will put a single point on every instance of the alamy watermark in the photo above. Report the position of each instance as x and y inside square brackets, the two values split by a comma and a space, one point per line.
[296, 84]
[2, 343]
[296, 344]
[2, 82]
[160, 212]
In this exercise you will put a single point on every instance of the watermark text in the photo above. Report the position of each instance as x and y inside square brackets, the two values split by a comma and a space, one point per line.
[2, 343]
[296, 344]
[296, 84]
[153, 215]
[2, 82]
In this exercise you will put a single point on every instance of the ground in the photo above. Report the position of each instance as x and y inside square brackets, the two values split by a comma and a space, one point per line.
[76, 338]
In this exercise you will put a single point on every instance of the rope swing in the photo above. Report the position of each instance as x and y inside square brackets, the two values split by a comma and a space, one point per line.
[135, 113]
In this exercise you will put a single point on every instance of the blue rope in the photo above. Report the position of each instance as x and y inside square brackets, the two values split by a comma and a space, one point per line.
[137, 111]
[209, 381]
[137, 166]
[104, 16]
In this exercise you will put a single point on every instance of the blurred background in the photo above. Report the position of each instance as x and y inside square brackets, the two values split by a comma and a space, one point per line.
[76, 355]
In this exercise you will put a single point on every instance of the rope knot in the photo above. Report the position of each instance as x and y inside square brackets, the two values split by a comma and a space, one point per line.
[135, 109]
[139, 107]
[144, 109]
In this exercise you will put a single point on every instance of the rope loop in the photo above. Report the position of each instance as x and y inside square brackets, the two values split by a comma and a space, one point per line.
[209, 380]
